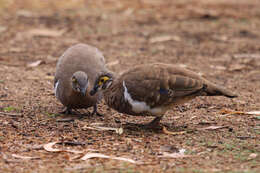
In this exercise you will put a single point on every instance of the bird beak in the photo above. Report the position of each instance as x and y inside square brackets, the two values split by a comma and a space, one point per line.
[94, 90]
[84, 91]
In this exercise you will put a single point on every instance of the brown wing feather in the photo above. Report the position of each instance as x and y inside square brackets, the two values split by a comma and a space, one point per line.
[159, 84]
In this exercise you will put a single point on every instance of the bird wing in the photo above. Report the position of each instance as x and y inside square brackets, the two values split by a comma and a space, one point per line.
[157, 85]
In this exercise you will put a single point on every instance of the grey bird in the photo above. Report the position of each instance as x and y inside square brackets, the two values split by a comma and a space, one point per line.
[76, 72]
[152, 89]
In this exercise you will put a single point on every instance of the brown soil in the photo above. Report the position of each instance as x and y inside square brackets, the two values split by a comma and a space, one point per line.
[219, 39]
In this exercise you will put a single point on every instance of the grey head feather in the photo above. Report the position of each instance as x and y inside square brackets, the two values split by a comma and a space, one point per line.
[79, 81]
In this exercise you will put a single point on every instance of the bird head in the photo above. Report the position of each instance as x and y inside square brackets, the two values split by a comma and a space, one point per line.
[79, 82]
[103, 81]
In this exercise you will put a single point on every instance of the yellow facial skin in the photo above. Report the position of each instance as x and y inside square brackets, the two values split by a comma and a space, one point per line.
[102, 80]
[74, 80]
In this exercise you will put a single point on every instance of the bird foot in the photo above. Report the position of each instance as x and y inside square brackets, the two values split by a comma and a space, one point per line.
[95, 112]
[66, 111]
[154, 124]
[172, 133]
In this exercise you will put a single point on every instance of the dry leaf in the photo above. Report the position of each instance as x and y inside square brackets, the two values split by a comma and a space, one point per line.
[252, 156]
[24, 157]
[98, 155]
[36, 63]
[49, 147]
[172, 133]
[42, 32]
[164, 38]
[212, 127]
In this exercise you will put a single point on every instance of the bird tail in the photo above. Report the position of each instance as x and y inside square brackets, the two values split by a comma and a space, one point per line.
[214, 90]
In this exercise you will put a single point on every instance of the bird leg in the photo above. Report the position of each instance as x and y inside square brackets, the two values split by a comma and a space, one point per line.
[154, 124]
[66, 111]
[95, 111]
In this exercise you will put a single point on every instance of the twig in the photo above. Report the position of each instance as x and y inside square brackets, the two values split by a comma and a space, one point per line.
[5, 100]
[11, 114]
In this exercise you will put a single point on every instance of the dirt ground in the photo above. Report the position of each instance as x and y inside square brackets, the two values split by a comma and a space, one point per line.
[218, 39]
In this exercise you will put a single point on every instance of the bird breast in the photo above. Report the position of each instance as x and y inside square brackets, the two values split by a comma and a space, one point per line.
[118, 98]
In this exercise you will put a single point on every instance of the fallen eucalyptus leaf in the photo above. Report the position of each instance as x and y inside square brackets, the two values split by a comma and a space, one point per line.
[49, 147]
[99, 155]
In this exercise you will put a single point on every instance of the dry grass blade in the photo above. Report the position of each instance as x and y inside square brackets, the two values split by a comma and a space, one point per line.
[212, 127]
[24, 157]
[45, 32]
[172, 133]
[98, 155]
[164, 38]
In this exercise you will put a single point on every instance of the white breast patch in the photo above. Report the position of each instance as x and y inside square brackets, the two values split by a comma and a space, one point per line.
[55, 89]
[138, 106]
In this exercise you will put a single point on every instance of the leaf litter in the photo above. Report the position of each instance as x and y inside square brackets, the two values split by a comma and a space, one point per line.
[24, 157]
[49, 147]
[99, 155]
[100, 128]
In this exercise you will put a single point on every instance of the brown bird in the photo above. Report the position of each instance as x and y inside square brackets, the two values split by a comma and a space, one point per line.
[76, 71]
[153, 89]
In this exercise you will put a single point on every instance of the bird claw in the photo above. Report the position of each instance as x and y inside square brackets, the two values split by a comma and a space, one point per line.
[95, 112]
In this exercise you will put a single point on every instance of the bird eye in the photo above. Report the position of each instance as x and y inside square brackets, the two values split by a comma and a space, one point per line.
[102, 80]
[74, 79]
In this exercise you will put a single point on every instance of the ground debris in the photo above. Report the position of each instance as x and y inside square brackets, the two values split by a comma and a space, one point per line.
[36, 63]
[99, 155]
[225, 112]
[100, 128]
[212, 127]
[172, 133]
[44, 32]
[49, 147]
[24, 157]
